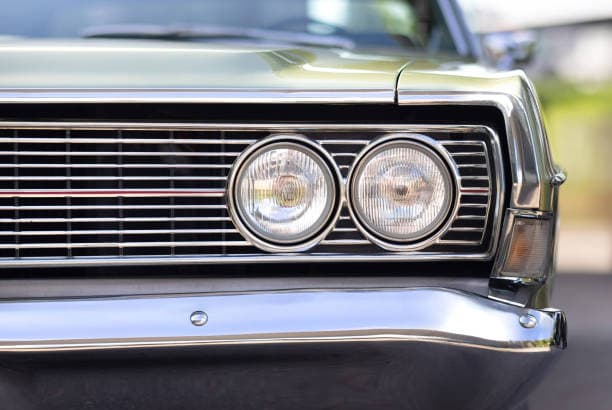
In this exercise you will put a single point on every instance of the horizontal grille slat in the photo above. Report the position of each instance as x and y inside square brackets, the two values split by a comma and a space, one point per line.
[151, 244]
[343, 142]
[135, 219]
[117, 178]
[345, 242]
[119, 232]
[344, 154]
[475, 177]
[463, 142]
[459, 217]
[115, 166]
[103, 207]
[111, 193]
[458, 242]
[481, 193]
[463, 229]
[148, 141]
[468, 154]
[482, 166]
[119, 154]
[120, 192]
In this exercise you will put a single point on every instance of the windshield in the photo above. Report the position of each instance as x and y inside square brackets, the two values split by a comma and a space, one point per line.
[414, 24]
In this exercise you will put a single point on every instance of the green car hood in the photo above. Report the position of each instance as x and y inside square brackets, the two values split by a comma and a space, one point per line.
[83, 68]
[156, 65]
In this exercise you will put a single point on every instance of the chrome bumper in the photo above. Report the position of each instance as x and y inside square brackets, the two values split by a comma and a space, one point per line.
[434, 315]
[410, 348]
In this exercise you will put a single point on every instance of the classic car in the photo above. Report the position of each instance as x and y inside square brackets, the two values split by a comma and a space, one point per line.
[269, 204]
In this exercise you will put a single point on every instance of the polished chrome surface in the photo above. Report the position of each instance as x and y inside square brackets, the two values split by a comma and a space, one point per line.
[194, 210]
[334, 212]
[528, 321]
[170, 95]
[559, 178]
[198, 318]
[433, 315]
[437, 148]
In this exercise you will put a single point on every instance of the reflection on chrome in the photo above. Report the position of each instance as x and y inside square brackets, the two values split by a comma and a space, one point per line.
[435, 315]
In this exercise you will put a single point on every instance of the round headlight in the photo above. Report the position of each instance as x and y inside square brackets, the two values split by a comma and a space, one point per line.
[401, 191]
[283, 194]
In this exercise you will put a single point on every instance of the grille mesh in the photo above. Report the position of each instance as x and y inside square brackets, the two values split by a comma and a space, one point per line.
[116, 193]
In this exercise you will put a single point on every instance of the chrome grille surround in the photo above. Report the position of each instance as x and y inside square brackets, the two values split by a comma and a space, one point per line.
[143, 185]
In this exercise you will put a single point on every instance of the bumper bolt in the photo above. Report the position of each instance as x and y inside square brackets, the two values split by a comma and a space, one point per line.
[198, 318]
[528, 321]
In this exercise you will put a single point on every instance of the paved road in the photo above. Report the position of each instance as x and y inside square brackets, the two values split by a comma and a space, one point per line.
[582, 379]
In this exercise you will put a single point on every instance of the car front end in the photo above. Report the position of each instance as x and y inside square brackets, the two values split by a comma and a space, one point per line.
[233, 224]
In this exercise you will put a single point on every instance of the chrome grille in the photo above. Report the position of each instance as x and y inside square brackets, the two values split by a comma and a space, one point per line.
[74, 193]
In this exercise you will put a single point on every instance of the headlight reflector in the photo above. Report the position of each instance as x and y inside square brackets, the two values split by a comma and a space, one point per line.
[401, 190]
[284, 194]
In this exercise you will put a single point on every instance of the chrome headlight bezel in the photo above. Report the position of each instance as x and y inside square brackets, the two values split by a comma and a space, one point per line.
[305, 145]
[437, 151]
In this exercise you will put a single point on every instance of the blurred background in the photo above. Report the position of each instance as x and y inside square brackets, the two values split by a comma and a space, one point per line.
[572, 69]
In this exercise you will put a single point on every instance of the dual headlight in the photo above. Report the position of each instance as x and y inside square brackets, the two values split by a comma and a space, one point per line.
[285, 192]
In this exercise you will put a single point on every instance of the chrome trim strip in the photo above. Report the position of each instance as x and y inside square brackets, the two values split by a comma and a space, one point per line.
[210, 126]
[211, 193]
[212, 259]
[117, 178]
[96, 207]
[110, 153]
[119, 245]
[468, 154]
[462, 142]
[124, 232]
[205, 95]
[435, 315]
[113, 166]
[459, 229]
[111, 219]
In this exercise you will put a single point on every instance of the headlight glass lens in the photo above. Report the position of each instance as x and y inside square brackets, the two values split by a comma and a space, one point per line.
[285, 193]
[402, 191]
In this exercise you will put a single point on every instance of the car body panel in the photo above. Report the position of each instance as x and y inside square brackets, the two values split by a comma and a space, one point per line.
[106, 65]
[130, 70]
